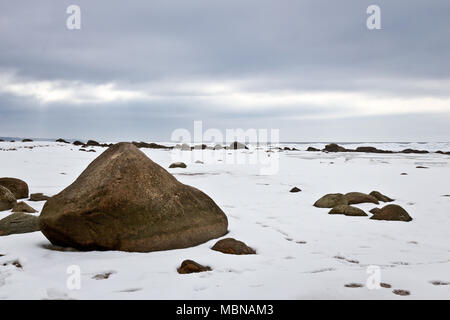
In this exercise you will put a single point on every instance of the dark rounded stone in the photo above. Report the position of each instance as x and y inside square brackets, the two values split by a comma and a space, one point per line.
[331, 200]
[392, 212]
[190, 266]
[359, 197]
[232, 246]
[19, 188]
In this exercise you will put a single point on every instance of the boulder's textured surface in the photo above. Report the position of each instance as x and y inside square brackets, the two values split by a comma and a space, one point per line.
[189, 266]
[348, 211]
[125, 201]
[374, 210]
[19, 188]
[178, 165]
[392, 212]
[331, 200]
[23, 207]
[232, 246]
[380, 197]
[7, 199]
[359, 197]
[18, 223]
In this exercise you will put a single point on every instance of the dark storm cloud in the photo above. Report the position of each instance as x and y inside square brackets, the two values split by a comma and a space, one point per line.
[263, 46]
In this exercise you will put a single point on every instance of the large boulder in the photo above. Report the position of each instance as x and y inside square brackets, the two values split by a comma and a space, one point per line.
[125, 201]
[331, 200]
[7, 199]
[348, 211]
[19, 188]
[18, 223]
[359, 197]
[392, 212]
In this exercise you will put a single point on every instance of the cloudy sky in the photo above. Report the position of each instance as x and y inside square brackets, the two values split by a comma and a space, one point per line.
[311, 68]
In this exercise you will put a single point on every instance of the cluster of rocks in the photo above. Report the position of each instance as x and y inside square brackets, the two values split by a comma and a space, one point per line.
[233, 146]
[89, 143]
[19, 221]
[227, 246]
[333, 147]
[342, 204]
[150, 145]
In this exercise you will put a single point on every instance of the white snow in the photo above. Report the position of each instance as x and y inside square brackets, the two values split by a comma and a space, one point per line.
[302, 252]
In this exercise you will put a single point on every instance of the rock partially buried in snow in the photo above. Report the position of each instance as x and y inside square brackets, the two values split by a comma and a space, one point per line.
[7, 199]
[359, 197]
[333, 147]
[331, 200]
[189, 266]
[374, 210]
[348, 211]
[178, 165]
[401, 292]
[38, 197]
[392, 212]
[18, 223]
[295, 189]
[380, 197]
[23, 207]
[237, 145]
[232, 246]
[125, 201]
[18, 188]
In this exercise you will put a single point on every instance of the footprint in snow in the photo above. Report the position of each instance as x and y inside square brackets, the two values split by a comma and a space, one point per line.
[439, 283]
[130, 290]
[56, 294]
[353, 285]
[322, 270]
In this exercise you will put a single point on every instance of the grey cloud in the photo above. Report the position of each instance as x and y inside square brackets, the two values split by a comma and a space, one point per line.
[278, 45]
